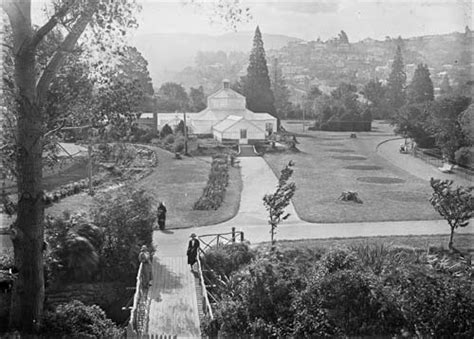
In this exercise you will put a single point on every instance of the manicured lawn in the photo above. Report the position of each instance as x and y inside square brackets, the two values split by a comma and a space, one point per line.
[463, 242]
[179, 183]
[331, 162]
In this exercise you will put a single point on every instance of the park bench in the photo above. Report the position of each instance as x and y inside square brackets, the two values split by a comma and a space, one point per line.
[447, 168]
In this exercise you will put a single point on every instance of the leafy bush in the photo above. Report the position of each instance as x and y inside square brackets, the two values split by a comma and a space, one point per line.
[73, 248]
[76, 320]
[433, 304]
[143, 135]
[165, 131]
[465, 156]
[227, 259]
[338, 259]
[214, 192]
[127, 217]
[354, 303]
[367, 290]
[169, 139]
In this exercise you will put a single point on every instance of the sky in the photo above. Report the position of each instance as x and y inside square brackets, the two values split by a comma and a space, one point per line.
[310, 19]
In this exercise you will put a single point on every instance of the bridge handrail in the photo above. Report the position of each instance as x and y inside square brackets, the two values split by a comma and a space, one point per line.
[234, 235]
[207, 304]
[133, 313]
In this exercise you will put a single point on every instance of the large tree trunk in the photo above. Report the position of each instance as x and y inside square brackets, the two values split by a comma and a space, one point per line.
[28, 291]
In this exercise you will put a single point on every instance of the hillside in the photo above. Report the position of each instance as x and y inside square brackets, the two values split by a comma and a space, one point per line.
[170, 53]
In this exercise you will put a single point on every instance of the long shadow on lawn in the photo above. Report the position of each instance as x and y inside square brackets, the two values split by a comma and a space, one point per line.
[166, 231]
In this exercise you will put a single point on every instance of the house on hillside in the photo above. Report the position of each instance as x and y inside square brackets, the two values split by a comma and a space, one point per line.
[226, 118]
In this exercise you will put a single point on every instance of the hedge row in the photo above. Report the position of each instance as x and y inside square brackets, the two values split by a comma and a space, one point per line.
[69, 189]
[343, 126]
[214, 192]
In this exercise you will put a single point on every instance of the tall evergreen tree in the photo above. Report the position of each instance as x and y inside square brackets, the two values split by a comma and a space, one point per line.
[445, 86]
[396, 82]
[257, 87]
[421, 87]
[343, 38]
[280, 91]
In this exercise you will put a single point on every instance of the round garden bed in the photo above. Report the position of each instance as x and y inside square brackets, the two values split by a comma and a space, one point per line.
[340, 150]
[364, 167]
[381, 180]
[349, 157]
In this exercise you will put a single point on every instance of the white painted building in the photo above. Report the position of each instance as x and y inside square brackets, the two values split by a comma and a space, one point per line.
[226, 118]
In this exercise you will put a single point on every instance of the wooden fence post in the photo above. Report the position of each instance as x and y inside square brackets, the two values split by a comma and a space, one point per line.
[233, 234]
[242, 236]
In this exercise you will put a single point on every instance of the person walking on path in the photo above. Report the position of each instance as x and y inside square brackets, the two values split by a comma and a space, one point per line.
[161, 214]
[144, 257]
[192, 252]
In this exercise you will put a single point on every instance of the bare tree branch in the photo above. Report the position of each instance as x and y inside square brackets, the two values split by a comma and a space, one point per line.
[52, 22]
[55, 129]
[7, 45]
[59, 56]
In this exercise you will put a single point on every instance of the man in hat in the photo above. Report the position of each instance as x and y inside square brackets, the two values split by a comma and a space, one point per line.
[192, 251]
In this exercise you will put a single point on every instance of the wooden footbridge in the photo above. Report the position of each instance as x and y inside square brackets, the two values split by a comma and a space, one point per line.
[177, 300]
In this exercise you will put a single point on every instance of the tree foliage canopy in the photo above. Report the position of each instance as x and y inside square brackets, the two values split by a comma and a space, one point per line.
[276, 203]
[421, 87]
[396, 81]
[172, 97]
[456, 206]
[257, 86]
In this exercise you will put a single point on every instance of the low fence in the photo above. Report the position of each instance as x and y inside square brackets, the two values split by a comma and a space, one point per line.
[427, 156]
[133, 329]
[220, 239]
[206, 304]
[436, 160]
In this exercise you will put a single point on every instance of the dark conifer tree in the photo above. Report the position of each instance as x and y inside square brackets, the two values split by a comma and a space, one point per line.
[445, 87]
[396, 82]
[421, 87]
[256, 87]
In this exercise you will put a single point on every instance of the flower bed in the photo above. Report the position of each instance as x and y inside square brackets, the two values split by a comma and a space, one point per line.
[214, 192]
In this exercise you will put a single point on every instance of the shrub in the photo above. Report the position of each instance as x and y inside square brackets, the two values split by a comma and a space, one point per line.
[169, 139]
[76, 320]
[433, 304]
[166, 130]
[465, 156]
[355, 305]
[143, 135]
[339, 258]
[126, 217]
[74, 246]
[226, 259]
